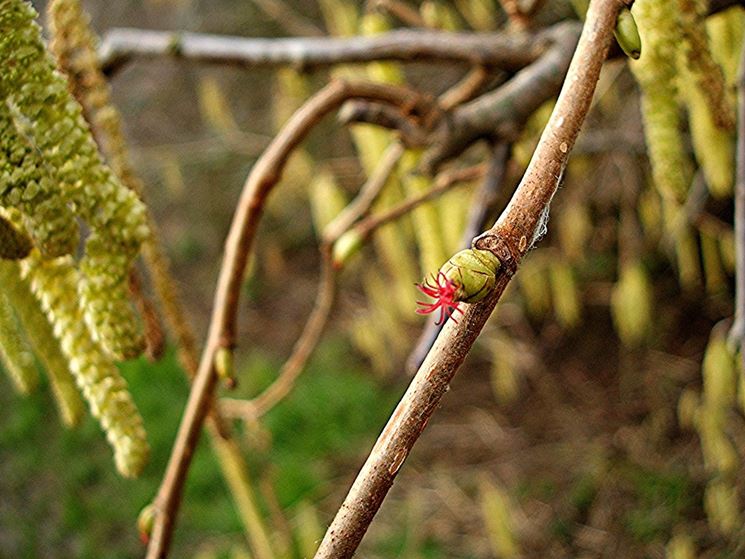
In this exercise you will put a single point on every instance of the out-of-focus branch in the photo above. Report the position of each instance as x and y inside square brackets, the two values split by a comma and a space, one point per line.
[250, 410]
[410, 132]
[465, 90]
[444, 182]
[499, 115]
[366, 196]
[265, 174]
[514, 231]
[502, 50]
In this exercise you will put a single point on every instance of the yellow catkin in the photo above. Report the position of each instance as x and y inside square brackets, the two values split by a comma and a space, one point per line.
[52, 282]
[631, 304]
[656, 72]
[39, 333]
[53, 123]
[15, 354]
[426, 220]
[708, 74]
[567, 306]
[710, 107]
[26, 185]
[74, 45]
[327, 199]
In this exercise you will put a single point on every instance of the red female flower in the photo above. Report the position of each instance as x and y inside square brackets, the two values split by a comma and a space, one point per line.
[443, 290]
[468, 276]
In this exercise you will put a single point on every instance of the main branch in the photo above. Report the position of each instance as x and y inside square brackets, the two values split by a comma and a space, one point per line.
[517, 228]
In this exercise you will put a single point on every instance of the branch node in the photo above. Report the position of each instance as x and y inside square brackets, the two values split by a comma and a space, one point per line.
[498, 241]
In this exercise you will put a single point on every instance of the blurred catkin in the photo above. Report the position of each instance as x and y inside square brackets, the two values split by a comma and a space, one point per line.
[656, 71]
[631, 304]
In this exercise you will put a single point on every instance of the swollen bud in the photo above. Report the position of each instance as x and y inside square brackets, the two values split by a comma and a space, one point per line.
[474, 271]
[468, 276]
[627, 34]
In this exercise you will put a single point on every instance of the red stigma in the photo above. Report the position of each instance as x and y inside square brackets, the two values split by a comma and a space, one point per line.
[442, 290]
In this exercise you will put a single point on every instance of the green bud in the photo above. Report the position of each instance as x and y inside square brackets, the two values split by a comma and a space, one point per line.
[627, 34]
[145, 522]
[345, 247]
[474, 271]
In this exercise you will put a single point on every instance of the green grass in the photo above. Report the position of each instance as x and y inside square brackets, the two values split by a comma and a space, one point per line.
[61, 496]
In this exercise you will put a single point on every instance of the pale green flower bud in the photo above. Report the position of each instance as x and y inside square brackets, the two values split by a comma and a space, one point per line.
[468, 276]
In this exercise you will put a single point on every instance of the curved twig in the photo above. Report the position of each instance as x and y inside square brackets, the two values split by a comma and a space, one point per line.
[263, 177]
[250, 410]
[516, 229]
[444, 182]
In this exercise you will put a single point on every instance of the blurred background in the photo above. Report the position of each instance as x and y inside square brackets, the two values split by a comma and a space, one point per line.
[576, 428]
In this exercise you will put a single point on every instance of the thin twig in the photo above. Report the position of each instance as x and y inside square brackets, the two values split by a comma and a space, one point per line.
[516, 229]
[518, 20]
[465, 90]
[263, 177]
[251, 410]
[401, 10]
[443, 183]
[737, 333]
[366, 196]
[506, 51]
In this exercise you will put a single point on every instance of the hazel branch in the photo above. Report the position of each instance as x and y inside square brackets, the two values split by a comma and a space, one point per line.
[507, 51]
[251, 410]
[519, 221]
[265, 174]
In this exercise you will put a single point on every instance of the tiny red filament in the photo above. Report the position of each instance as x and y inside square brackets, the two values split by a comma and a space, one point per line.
[442, 290]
